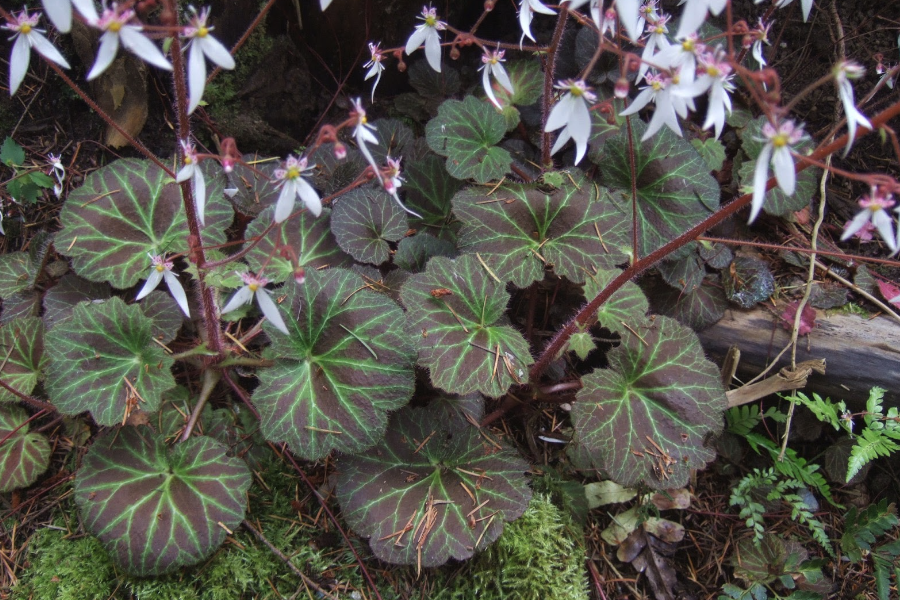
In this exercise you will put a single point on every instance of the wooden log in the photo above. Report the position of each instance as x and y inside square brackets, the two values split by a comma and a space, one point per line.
[859, 353]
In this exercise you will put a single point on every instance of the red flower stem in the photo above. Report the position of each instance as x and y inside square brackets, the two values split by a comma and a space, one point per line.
[559, 340]
[548, 86]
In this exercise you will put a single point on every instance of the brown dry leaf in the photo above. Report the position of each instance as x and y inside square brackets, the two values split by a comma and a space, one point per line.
[679, 499]
[656, 566]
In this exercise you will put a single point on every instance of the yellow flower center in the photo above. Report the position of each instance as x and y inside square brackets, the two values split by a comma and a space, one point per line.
[780, 140]
[187, 160]
[713, 71]
[203, 32]
[364, 119]
[253, 287]
[659, 29]
[494, 60]
[160, 268]
[115, 26]
[25, 29]
[687, 45]
[292, 173]
[656, 86]
[430, 21]
[576, 91]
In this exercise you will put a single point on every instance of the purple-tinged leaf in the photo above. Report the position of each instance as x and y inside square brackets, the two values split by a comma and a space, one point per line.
[455, 313]
[717, 256]
[23, 455]
[394, 139]
[698, 309]
[156, 508]
[69, 291]
[345, 364]
[747, 281]
[684, 274]
[21, 305]
[165, 315]
[22, 359]
[414, 252]
[646, 418]
[429, 191]
[435, 488]
[626, 307]
[15, 273]
[519, 230]
[364, 220]
[103, 359]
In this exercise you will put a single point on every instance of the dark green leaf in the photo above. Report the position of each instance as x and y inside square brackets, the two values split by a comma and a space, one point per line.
[254, 184]
[394, 140]
[23, 455]
[346, 363]
[467, 133]
[455, 312]
[627, 306]
[604, 125]
[697, 309]
[712, 151]
[582, 344]
[527, 82]
[154, 508]
[69, 291]
[307, 237]
[748, 281]
[684, 274]
[16, 273]
[21, 305]
[646, 418]
[22, 359]
[165, 315]
[675, 190]
[364, 220]
[95, 351]
[11, 153]
[717, 256]
[414, 252]
[776, 202]
[431, 84]
[126, 210]
[519, 230]
[429, 190]
[433, 490]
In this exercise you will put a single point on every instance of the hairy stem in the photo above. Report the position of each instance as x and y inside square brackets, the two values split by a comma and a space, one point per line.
[548, 85]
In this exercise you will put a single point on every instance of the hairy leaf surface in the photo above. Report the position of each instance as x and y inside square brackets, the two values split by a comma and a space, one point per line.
[157, 508]
[627, 306]
[364, 220]
[22, 358]
[24, 456]
[429, 190]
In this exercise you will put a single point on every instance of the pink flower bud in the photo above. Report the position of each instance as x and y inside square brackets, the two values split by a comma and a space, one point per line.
[340, 151]
[622, 87]
[300, 275]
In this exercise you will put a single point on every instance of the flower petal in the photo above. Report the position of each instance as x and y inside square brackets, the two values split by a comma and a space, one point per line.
[433, 49]
[760, 178]
[502, 77]
[270, 310]
[60, 14]
[151, 284]
[196, 75]
[859, 221]
[109, 45]
[87, 10]
[559, 115]
[186, 172]
[200, 195]
[140, 45]
[580, 128]
[486, 82]
[416, 39]
[46, 49]
[18, 63]
[885, 226]
[564, 136]
[285, 204]
[783, 163]
[216, 52]
[240, 298]
[639, 102]
[177, 292]
[692, 18]
[309, 196]
[525, 16]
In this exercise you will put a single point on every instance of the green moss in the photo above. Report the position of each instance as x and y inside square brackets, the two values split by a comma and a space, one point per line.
[225, 87]
[539, 556]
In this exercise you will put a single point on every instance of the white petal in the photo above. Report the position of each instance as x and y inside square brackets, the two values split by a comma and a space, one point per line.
[109, 45]
[433, 49]
[412, 212]
[695, 88]
[783, 163]
[525, 16]
[760, 178]
[196, 75]
[18, 63]
[692, 18]
[562, 110]
[60, 14]
[47, 50]
[580, 128]
[858, 222]
[416, 39]
[375, 85]
[715, 113]
[139, 44]
[807, 8]
[564, 136]
[87, 10]
[240, 298]
[536, 6]
[486, 82]
[502, 77]
[309, 196]
[270, 310]
[186, 172]
[200, 195]
[324, 4]
[639, 102]
[216, 52]
[177, 292]
[885, 226]
[365, 134]
[285, 205]
[149, 285]
[628, 16]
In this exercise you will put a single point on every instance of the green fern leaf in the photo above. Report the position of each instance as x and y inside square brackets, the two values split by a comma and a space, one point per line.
[871, 444]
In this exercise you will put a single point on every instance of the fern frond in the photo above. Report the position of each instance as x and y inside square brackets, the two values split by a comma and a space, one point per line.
[824, 410]
[742, 419]
[870, 444]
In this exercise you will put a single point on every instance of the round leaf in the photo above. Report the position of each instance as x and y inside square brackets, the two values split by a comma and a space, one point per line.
[414, 252]
[164, 313]
[364, 221]
[436, 488]
[69, 291]
[345, 364]
[646, 418]
[628, 305]
[16, 273]
[394, 139]
[527, 83]
[23, 455]
[698, 309]
[22, 358]
[674, 188]
[748, 281]
[467, 133]
[309, 238]
[124, 211]
[518, 230]
[455, 312]
[429, 190]
[156, 509]
[103, 359]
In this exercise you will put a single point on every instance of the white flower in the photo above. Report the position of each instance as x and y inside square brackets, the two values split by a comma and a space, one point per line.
[527, 8]
[660, 90]
[714, 75]
[875, 210]
[596, 10]
[374, 65]
[362, 134]
[191, 170]
[647, 13]
[115, 27]
[656, 38]
[427, 33]
[572, 114]
[255, 286]
[806, 4]
[202, 43]
[776, 150]
[162, 269]
[695, 13]
[609, 23]
[629, 16]
[492, 63]
[293, 185]
[392, 180]
[324, 4]
[843, 72]
[59, 171]
[28, 36]
[60, 14]
[682, 55]
[760, 36]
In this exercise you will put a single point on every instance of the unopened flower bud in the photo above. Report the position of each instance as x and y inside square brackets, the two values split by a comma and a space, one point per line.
[300, 275]
[401, 66]
[622, 87]
[454, 53]
[747, 41]
[489, 5]
[340, 151]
